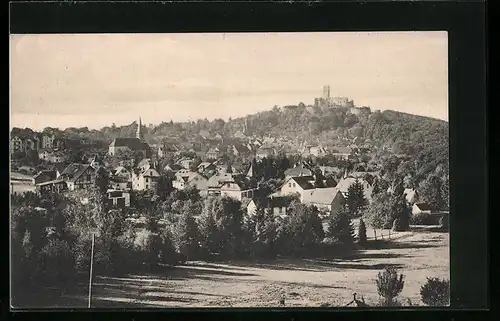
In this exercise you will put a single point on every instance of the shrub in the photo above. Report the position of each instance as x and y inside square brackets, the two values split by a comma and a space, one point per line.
[400, 224]
[389, 285]
[435, 292]
[421, 219]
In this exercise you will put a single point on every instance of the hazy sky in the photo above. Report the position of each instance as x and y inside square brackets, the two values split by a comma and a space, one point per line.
[96, 80]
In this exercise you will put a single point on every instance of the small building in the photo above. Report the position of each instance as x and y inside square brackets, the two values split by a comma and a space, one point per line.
[118, 198]
[188, 179]
[206, 166]
[185, 162]
[325, 199]
[44, 176]
[279, 205]
[57, 186]
[213, 153]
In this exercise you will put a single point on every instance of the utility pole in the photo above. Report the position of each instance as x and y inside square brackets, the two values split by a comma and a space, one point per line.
[91, 266]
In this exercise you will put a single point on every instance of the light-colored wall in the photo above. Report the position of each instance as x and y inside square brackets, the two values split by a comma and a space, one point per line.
[114, 150]
[294, 188]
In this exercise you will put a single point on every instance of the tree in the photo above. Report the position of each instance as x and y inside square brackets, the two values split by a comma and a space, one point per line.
[435, 292]
[361, 232]
[265, 233]
[431, 191]
[399, 209]
[305, 228]
[340, 229]
[389, 285]
[209, 233]
[319, 179]
[186, 235]
[102, 180]
[356, 200]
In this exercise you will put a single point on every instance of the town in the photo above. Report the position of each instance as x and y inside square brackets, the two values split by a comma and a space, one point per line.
[184, 194]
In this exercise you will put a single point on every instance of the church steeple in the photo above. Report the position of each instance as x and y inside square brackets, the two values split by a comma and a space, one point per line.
[139, 130]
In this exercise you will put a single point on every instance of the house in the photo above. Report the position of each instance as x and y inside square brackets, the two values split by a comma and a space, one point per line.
[121, 178]
[325, 199]
[145, 162]
[185, 179]
[78, 176]
[48, 141]
[57, 185]
[57, 157]
[279, 205]
[118, 198]
[420, 208]
[216, 181]
[295, 185]
[16, 144]
[213, 153]
[43, 155]
[95, 161]
[343, 153]
[121, 145]
[145, 179]
[239, 187]
[185, 162]
[298, 170]
[44, 176]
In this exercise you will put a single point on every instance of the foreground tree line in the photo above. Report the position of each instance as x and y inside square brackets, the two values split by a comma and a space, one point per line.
[52, 233]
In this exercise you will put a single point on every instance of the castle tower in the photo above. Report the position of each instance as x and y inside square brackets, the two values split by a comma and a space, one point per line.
[326, 92]
[139, 130]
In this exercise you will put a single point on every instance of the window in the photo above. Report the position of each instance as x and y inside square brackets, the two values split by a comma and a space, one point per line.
[147, 186]
[289, 184]
[293, 184]
[147, 180]
[280, 210]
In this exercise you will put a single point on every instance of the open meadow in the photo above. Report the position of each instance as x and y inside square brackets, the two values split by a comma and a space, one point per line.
[303, 282]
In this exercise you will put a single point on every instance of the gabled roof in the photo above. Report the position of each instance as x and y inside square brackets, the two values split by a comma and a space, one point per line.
[321, 195]
[60, 167]
[300, 170]
[279, 202]
[304, 181]
[74, 171]
[49, 173]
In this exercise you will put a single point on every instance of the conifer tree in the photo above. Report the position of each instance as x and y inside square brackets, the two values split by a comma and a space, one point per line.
[340, 228]
[361, 232]
[356, 200]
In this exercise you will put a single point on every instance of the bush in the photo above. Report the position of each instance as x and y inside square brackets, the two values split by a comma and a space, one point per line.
[421, 219]
[389, 285]
[400, 224]
[435, 292]
[340, 227]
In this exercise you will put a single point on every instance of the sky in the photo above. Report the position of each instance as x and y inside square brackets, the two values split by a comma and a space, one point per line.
[95, 80]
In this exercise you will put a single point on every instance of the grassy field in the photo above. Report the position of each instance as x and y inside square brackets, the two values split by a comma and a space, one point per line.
[303, 282]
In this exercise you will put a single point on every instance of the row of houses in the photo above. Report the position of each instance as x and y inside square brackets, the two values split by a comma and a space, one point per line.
[35, 142]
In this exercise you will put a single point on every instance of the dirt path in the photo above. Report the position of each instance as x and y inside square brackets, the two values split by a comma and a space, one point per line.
[303, 282]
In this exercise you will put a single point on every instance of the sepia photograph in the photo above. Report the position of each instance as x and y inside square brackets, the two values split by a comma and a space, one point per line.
[225, 170]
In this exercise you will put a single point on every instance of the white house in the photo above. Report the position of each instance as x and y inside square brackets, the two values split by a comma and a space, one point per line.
[344, 184]
[145, 179]
[295, 185]
[239, 188]
[121, 178]
[185, 179]
[325, 199]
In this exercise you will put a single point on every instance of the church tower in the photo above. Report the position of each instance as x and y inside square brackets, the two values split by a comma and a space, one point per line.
[139, 130]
